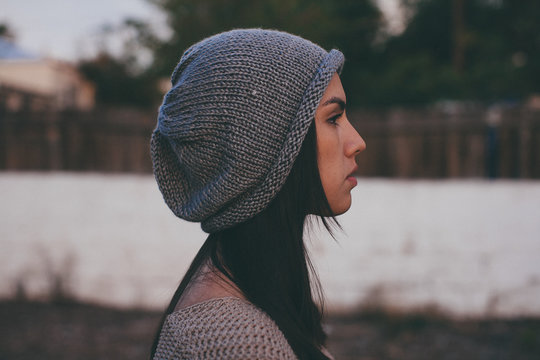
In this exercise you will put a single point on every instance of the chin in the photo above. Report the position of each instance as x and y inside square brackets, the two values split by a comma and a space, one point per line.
[341, 208]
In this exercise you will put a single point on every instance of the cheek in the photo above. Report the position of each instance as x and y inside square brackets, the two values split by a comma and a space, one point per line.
[331, 176]
[328, 148]
[330, 162]
[326, 166]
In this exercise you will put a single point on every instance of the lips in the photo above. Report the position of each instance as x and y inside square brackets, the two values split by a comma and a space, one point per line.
[351, 178]
[351, 174]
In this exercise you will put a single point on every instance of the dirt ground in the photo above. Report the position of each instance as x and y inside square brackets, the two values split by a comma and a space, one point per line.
[33, 330]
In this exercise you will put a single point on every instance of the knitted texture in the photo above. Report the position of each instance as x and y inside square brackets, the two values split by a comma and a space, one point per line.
[234, 120]
[225, 328]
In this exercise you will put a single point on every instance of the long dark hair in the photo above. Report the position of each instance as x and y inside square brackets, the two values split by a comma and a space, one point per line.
[266, 257]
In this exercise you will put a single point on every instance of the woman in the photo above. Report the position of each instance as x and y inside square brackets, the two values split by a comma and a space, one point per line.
[251, 139]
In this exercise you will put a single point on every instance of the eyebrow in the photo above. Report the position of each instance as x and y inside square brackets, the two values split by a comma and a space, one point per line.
[335, 100]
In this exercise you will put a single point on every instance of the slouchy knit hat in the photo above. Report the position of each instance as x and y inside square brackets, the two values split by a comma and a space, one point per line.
[232, 124]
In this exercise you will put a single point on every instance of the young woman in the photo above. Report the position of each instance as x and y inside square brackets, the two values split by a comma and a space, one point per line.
[251, 139]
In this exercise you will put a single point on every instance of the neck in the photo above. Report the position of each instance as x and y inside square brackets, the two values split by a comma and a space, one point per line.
[208, 283]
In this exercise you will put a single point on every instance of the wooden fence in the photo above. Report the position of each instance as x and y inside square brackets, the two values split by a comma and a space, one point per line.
[492, 142]
[102, 140]
[426, 143]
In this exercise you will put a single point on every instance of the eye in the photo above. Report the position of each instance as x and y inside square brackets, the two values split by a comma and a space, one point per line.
[333, 120]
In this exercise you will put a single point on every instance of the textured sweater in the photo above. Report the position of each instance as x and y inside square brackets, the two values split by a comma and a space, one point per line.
[224, 328]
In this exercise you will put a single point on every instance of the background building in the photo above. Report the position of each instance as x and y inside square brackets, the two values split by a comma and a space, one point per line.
[32, 83]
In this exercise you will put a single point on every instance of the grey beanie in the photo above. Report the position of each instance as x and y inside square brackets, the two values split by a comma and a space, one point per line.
[234, 120]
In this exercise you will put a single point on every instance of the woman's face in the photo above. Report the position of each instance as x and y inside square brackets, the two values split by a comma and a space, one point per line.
[337, 145]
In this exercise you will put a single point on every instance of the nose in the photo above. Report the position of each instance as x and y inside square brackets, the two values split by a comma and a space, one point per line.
[355, 144]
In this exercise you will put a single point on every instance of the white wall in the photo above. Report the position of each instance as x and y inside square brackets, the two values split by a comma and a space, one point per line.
[472, 247]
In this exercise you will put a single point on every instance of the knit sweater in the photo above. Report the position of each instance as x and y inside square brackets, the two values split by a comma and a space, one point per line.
[223, 328]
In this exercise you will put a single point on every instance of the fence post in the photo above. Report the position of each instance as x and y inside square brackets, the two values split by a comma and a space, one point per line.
[53, 141]
[493, 120]
[524, 132]
[452, 152]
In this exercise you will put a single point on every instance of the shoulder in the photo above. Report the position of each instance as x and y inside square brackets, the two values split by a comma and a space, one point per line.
[224, 328]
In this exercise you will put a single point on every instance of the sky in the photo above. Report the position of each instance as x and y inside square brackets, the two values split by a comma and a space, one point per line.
[69, 29]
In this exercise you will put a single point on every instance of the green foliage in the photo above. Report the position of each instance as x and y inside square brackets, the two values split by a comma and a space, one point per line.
[349, 25]
[117, 85]
[485, 50]
[500, 46]
[121, 79]
[6, 32]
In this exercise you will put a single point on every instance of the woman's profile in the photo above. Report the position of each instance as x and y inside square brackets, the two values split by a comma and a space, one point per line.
[251, 139]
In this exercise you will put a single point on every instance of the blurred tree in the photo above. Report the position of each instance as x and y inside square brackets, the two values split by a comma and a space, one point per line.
[350, 25]
[116, 84]
[124, 78]
[485, 50]
[477, 49]
[6, 32]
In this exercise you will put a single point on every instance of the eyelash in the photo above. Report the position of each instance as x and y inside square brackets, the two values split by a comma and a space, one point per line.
[333, 119]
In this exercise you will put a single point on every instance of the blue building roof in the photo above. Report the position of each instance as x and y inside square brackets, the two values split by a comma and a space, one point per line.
[9, 51]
